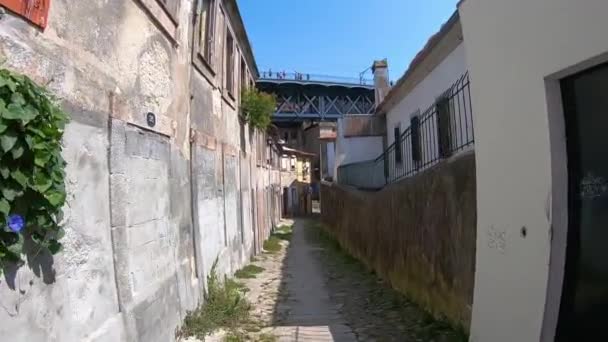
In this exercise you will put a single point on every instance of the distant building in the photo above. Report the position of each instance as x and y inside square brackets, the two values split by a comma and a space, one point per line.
[296, 176]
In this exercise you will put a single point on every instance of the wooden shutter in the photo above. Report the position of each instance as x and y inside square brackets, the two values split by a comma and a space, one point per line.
[415, 134]
[36, 11]
[443, 127]
[398, 155]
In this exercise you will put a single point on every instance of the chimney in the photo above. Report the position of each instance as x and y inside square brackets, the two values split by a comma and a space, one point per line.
[381, 85]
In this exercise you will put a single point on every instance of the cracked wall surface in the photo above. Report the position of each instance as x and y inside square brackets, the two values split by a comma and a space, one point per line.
[149, 209]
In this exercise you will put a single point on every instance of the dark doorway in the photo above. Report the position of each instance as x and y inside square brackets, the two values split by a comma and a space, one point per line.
[584, 306]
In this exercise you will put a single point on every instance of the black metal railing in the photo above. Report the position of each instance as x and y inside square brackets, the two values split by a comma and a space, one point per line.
[444, 129]
[298, 76]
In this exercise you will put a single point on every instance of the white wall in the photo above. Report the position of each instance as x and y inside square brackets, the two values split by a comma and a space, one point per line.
[427, 91]
[355, 149]
[517, 51]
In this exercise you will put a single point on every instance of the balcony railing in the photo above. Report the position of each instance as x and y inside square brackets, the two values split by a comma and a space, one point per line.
[443, 130]
[306, 77]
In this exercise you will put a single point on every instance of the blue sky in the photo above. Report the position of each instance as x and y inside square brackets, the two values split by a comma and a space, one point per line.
[340, 37]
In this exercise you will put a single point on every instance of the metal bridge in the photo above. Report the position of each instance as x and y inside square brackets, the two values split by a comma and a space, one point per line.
[308, 97]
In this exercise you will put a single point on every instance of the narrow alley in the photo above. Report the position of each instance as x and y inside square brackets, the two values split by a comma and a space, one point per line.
[311, 290]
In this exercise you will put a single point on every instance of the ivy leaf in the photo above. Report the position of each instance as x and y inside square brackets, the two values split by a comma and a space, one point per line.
[17, 247]
[3, 127]
[28, 114]
[35, 131]
[8, 140]
[59, 234]
[4, 171]
[18, 150]
[13, 112]
[56, 198]
[58, 175]
[42, 183]
[9, 193]
[54, 246]
[29, 141]
[19, 177]
[5, 207]
[8, 82]
[41, 158]
[17, 98]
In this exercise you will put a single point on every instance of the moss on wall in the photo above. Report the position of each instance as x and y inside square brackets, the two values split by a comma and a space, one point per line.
[419, 234]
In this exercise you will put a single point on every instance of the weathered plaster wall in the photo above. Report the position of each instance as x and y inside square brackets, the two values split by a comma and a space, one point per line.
[517, 53]
[149, 209]
[418, 234]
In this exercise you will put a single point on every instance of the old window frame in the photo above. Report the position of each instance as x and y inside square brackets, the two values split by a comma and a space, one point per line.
[205, 37]
[206, 25]
[165, 16]
[229, 62]
[171, 7]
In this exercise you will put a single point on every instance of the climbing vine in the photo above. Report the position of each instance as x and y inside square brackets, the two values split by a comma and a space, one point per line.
[257, 107]
[32, 171]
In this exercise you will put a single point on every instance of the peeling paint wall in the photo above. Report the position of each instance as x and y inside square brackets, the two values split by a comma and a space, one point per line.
[149, 209]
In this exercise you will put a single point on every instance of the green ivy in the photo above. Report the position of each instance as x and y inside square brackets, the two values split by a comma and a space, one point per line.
[257, 107]
[32, 171]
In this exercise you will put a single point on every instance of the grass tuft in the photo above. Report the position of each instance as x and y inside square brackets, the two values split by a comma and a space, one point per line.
[224, 307]
[248, 272]
[282, 233]
[273, 245]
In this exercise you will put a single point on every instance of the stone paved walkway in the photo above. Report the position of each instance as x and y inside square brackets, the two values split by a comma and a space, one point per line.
[311, 291]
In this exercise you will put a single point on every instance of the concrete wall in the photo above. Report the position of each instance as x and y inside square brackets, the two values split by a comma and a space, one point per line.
[517, 52]
[149, 209]
[418, 234]
[355, 149]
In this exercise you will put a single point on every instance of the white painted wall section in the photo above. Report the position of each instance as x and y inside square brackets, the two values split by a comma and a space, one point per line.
[427, 91]
[517, 51]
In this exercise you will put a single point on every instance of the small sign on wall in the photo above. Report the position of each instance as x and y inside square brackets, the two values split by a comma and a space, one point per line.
[151, 119]
[36, 11]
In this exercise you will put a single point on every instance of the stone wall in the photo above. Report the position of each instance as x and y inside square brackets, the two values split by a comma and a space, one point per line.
[418, 234]
[149, 209]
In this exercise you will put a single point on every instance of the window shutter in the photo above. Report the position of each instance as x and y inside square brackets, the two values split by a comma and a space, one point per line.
[398, 156]
[443, 127]
[415, 132]
[36, 11]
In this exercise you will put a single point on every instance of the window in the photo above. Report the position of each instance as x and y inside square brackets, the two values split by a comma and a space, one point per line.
[171, 7]
[243, 84]
[415, 133]
[207, 29]
[398, 153]
[229, 59]
[242, 134]
[444, 133]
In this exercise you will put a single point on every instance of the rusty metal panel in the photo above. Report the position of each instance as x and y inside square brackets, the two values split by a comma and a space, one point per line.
[36, 11]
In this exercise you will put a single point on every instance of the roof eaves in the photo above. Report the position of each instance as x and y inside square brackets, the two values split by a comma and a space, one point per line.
[431, 43]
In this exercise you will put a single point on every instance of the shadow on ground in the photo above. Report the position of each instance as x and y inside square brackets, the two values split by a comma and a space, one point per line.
[327, 295]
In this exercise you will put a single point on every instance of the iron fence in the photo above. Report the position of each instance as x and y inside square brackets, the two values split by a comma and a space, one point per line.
[298, 76]
[444, 129]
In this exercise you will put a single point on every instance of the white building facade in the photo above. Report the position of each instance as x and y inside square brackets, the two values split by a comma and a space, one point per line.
[433, 96]
[539, 82]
